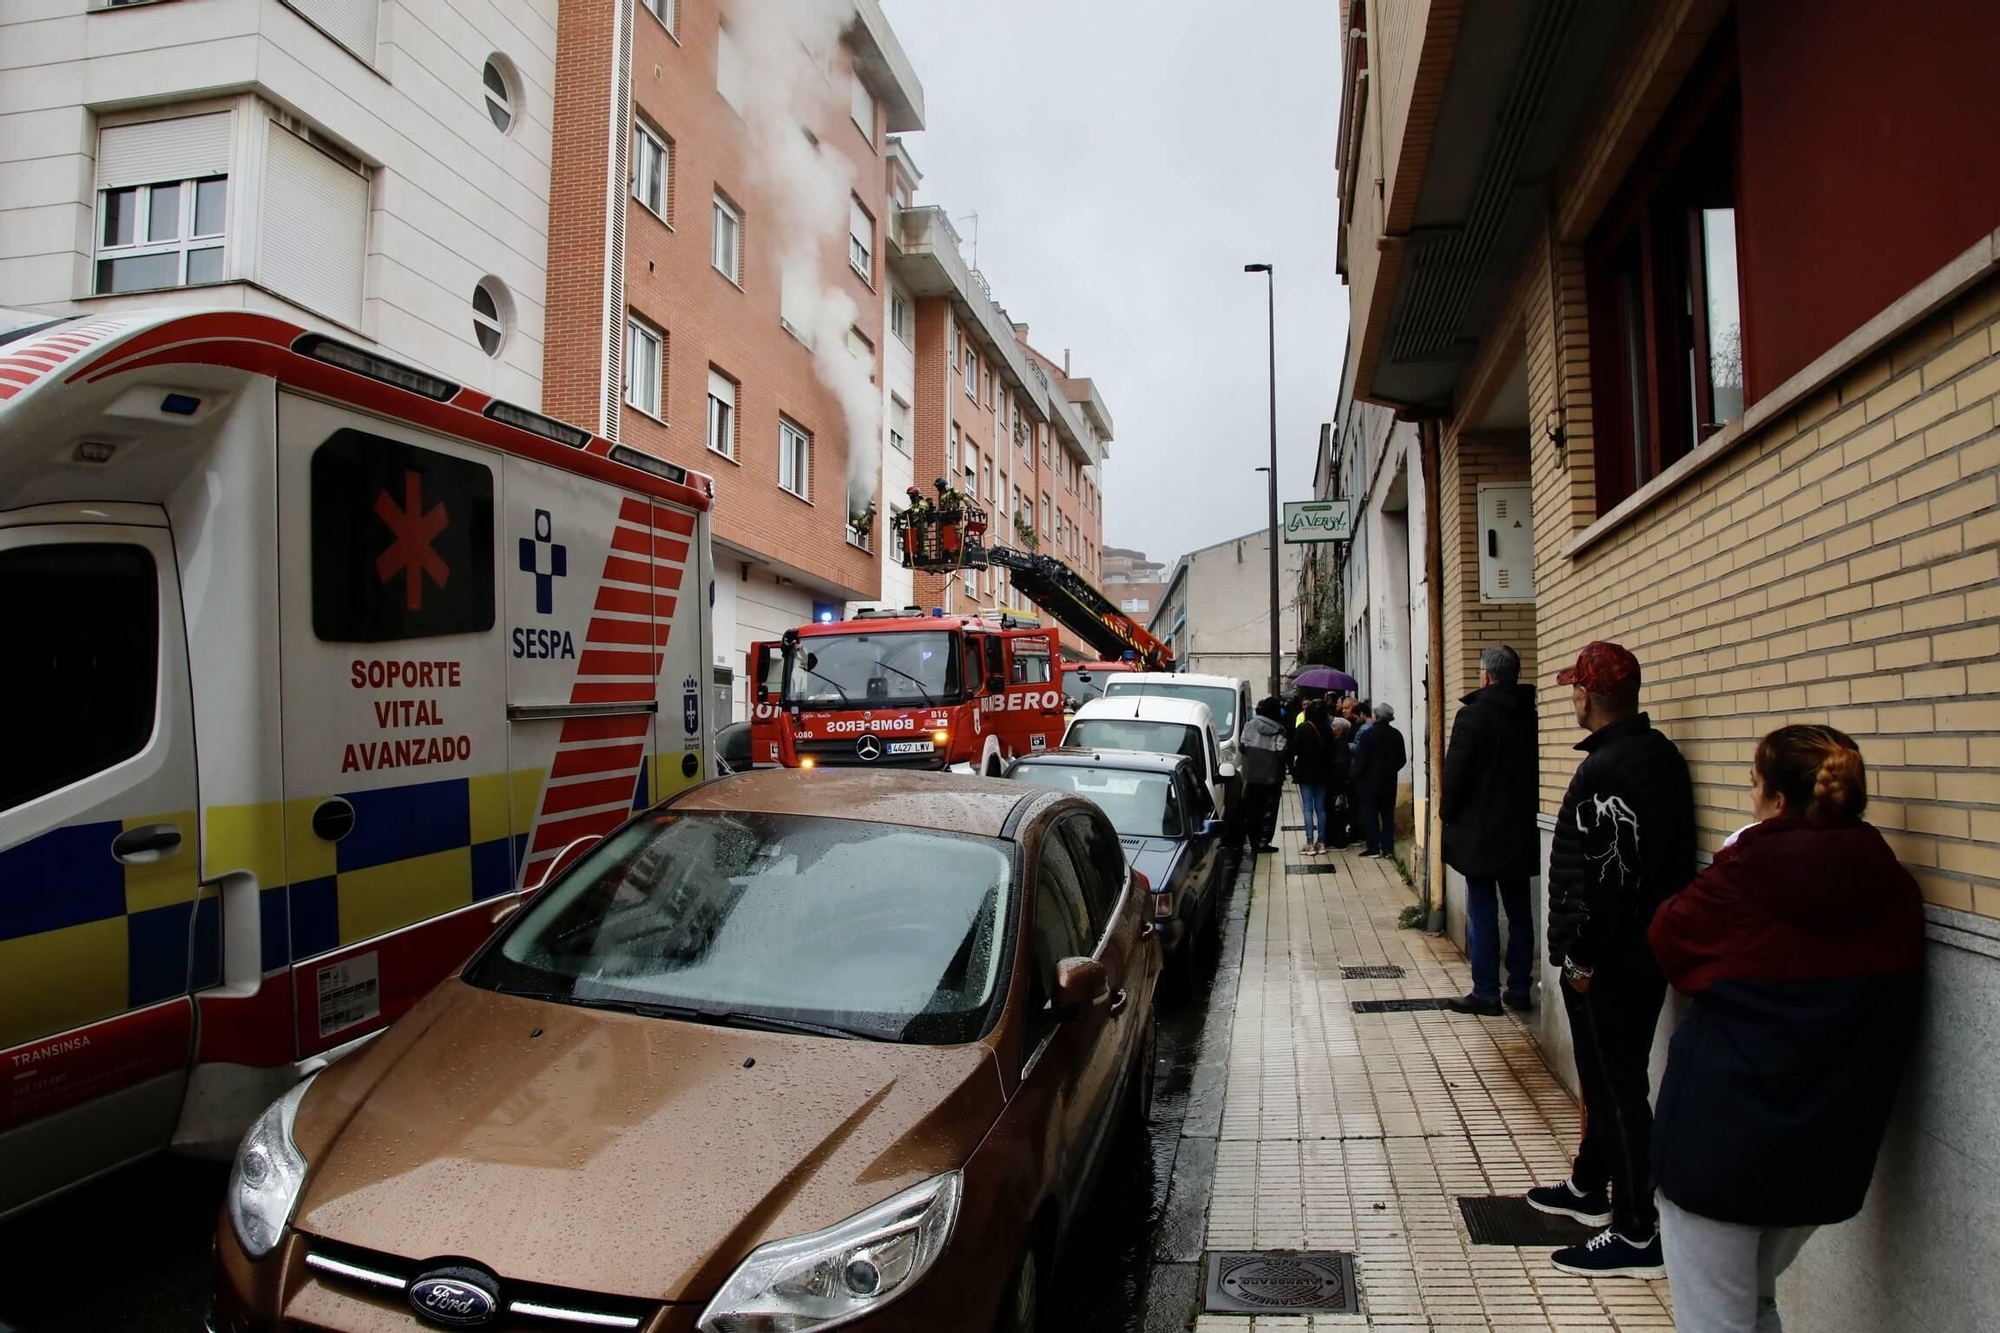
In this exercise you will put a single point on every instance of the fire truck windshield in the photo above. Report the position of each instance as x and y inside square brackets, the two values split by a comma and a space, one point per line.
[874, 670]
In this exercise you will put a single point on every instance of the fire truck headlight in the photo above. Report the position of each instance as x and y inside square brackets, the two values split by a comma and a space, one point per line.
[805, 763]
[264, 1186]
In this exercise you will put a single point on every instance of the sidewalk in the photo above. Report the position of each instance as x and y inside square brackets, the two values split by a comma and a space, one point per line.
[1359, 1132]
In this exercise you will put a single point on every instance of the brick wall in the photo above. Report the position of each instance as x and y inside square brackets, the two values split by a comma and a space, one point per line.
[572, 344]
[1471, 625]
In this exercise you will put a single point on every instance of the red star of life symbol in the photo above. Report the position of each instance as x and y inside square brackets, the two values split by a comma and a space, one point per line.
[414, 530]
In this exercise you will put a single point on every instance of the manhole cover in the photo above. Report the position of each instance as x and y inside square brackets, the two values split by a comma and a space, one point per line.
[1408, 1006]
[1511, 1221]
[1295, 1282]
[1311, 868]
[1371, 972]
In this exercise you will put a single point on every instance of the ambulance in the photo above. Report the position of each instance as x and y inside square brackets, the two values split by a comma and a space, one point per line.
[316, 664]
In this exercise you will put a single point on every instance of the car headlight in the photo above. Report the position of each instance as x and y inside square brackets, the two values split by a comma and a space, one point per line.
[264, 1186]
[852, 1268]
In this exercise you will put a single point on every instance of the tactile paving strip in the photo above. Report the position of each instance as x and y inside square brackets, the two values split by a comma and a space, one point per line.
[1282, 1282]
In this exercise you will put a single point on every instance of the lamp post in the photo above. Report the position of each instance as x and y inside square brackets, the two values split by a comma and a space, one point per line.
[1271, 315]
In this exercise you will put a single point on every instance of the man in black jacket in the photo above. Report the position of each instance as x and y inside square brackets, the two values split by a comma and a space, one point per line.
[1623, 843]
[1379, 755]
[1488, 808]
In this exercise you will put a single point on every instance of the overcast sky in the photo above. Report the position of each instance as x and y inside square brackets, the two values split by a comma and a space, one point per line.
[1126, 159]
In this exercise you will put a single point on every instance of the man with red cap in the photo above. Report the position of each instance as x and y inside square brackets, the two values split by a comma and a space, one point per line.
[1623, 843]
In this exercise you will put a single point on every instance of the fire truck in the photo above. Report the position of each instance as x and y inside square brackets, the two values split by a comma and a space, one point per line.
[914, 690]
[319, 664]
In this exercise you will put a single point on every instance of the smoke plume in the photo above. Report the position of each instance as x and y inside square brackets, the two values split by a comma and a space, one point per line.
[807, 189]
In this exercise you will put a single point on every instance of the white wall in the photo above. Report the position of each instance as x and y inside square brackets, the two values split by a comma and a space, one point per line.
[748, 610]
[451, 198]
[899, 379]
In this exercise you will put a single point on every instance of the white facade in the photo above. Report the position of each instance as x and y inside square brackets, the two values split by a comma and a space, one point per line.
[1216, 612]
[336, 163]
[899, 399]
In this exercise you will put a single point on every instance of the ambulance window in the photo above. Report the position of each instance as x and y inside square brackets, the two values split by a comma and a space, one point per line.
[85, 666]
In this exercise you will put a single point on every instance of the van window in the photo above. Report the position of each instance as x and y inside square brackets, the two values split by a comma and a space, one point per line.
[1221, 700]
[402, 541]
[1132, 733]
[85, 663]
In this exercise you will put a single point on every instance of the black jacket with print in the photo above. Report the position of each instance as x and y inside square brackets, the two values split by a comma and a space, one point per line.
[1623, 843]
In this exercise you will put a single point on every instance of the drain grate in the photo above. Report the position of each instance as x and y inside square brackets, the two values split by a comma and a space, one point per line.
[1282, 1281]
[1510, 1221]
[1293, 828]
[1371, 972]
[1311, 868]
[1394, 1006]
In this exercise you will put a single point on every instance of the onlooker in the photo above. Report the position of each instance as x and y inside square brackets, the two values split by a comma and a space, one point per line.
[1487, 803]
[1314, 747]
[1263, 750]
[1623, 843]
[1803, 949]
[1379, 755]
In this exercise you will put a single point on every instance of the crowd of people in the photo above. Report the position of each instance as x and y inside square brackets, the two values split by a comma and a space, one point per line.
[1799, 949]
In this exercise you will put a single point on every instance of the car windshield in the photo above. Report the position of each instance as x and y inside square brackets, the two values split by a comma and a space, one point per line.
[1221, 699]
[1139, 805]
[1134, 733]
[870, 930]
[1080, 686]
[874, 670]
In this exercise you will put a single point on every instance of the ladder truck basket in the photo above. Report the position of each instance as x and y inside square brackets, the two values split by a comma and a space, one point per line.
[934, 539]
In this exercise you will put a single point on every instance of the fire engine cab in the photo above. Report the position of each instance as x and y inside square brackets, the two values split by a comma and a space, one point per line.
[318, 663]
[901, 689]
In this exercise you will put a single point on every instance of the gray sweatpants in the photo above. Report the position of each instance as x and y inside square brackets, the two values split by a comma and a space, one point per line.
[1724, 1277]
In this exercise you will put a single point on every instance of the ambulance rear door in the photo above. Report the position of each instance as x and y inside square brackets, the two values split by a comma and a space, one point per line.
[99, 877]
[397, 811]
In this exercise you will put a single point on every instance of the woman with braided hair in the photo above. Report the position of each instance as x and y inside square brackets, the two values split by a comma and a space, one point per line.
[1802, 950]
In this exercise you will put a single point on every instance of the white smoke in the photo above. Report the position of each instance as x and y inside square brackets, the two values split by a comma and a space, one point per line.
[807, 189]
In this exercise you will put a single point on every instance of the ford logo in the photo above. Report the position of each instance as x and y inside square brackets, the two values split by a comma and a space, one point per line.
[869, 748]
[455, 1297]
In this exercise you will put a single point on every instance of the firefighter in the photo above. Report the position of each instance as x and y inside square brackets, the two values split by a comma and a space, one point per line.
[950, 514]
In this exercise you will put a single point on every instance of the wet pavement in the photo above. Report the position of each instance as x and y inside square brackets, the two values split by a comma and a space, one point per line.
[130, 1252]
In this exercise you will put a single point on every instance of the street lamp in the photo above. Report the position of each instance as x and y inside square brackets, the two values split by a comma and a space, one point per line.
[1271, 315]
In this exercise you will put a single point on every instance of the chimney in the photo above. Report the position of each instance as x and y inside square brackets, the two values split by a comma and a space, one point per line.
[1065, 363]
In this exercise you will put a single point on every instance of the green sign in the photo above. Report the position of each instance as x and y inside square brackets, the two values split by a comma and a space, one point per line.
[1318, 520]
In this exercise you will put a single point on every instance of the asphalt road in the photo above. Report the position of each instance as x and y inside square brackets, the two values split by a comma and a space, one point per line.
[130, 1252]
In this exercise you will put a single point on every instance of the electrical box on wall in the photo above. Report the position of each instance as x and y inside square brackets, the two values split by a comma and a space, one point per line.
[1506, 544]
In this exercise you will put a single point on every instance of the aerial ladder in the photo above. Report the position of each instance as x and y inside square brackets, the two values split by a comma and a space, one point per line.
[948, 535]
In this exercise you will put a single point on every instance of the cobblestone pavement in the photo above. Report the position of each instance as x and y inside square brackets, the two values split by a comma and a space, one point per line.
[1359, 1132]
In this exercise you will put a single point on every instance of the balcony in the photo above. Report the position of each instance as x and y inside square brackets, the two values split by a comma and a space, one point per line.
[926, 260]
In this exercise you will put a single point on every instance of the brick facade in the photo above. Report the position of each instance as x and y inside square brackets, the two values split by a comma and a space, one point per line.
[1471, 624]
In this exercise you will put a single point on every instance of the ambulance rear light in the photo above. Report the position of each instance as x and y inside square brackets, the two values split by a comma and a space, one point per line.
[520, 418]
[336, 353]
[645, 462]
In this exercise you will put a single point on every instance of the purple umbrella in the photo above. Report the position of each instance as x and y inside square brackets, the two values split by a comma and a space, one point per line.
[1324, 678]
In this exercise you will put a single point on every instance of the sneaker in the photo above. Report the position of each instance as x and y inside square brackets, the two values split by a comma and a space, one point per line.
[1518, 1000]
[1266, 847]
[1592, 1208]
[1608, 1254]
[1472, 1004]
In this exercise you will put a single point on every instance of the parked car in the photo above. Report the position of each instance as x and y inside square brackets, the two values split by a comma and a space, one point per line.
[789, 1049]
[1227, 697]
[1164, 726]
[1167, 824]
[732, 750]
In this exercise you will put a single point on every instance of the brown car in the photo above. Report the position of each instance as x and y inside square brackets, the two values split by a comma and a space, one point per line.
[796, 1050]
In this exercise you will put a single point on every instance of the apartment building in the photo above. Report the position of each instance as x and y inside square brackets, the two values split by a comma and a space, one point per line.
[996, 419]
[372, 169]
[723, 180]
[1215, 615]
[1597, 256]
[1135, 582]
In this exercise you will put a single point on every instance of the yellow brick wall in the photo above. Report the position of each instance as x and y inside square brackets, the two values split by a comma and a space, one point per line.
[1841, 566]
[1471, 625]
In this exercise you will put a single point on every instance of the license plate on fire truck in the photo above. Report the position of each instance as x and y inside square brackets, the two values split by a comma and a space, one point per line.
[909, 747]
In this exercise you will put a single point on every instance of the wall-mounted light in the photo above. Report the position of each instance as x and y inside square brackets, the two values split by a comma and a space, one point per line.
[1553, 427]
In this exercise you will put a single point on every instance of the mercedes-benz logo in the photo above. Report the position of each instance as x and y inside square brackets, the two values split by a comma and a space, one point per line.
[869, 748]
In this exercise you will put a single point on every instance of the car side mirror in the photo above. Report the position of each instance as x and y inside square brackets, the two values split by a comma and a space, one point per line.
[1225, 771]
[1080, 983]
[1211, 828]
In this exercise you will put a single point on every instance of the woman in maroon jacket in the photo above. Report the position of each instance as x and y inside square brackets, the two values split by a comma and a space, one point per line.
[1802, 948]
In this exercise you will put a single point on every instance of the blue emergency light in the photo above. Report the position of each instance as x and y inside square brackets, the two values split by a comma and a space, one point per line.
[826, 617]
[937, 613]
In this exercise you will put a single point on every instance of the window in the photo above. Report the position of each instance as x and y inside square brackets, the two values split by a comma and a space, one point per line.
[1666, 348]
[952, 458]
[666, 11]
[729, 69]
[721, 413]
[652, 165]
[1100, 862]
[489, 315]
[899, 317]
[499, 90]
[1129, 605]
[860, 241]
[794, 459]
[987, 378]
[1043, 431]
[725, 249]
[972, 374]
[986, 478]
[645, 362]
[899, 424]
[1048, 507]
[90, 661]
[861, 105]
[162, 203]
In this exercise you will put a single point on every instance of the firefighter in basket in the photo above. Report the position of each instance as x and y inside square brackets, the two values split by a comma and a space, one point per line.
[916, 515]
[950, 518]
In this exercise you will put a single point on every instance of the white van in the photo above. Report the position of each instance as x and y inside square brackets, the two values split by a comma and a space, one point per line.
[319, 662]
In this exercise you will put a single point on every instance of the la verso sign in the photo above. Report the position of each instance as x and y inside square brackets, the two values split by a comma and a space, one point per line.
[1318, 520]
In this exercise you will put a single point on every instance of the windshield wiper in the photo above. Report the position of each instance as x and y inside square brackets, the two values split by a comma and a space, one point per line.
[771, 1023]
[831, 681]
[913, 680]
